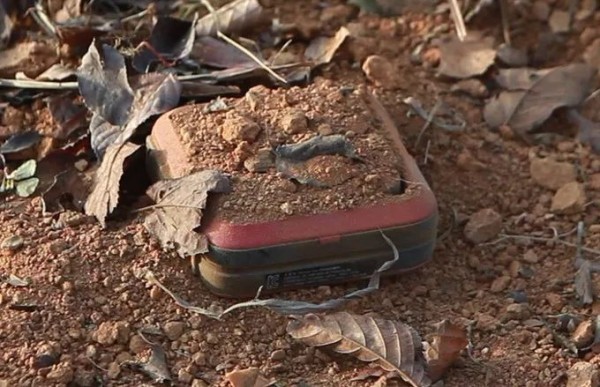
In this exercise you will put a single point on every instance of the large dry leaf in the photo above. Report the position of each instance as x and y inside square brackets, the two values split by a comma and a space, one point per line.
[233, 17]
[448, 342]
[119, 109]
[466, 59]
[322, 49]
[105, 194]
[179, 210]
[156, 367]
[249, 377]
[390, 344]
[171, 38]
[532, 96]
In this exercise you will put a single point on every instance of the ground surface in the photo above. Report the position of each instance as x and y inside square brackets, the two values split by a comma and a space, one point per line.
[92, 298]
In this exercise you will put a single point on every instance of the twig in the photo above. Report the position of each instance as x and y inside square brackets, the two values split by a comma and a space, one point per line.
[459, 22]
[534, 238]
[505, 19]
[235, 44]
[153, 206]
[426, 156]
[428, 122]
[281, 50]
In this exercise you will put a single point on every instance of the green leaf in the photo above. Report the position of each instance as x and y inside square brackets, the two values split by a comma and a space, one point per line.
[25, 170]
[26, 188]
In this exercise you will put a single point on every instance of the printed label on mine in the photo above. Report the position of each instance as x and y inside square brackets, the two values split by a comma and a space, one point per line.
[317, 275]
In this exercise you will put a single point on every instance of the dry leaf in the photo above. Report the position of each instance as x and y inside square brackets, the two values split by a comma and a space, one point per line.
[156, 366]
[105, 194]
[216, 53]
[583, 282]
[233, 17]
[448, 342]
[532, 96]
[392, 345]
[249, 377]
[118, 107]
[589, 131]
[322, 49]
[179, 210]
[465, 59]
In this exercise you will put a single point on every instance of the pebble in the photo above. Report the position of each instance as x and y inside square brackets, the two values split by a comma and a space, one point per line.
[199, 359]
[516, 312]
[515, 268]
[540, 10]
[569, 199]
[294, 122]
[211, 338]
[174, 329]
[380, 71]
[286, 208]
[81, 165]
[472, 87]
[583, 374]
[531, 257]
[237, 128]
[113, 370]
[500, 284]
[483, 226]
[61, 373]
[184, 376]
[278, 355]
[137, 345]
[555, 300]
[107, 333]
[12, 243]
[560, 21]
[552, 174]
[262, 161]
[583, 334]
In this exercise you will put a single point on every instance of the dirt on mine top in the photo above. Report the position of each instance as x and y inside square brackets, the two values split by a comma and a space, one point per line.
[241, 140]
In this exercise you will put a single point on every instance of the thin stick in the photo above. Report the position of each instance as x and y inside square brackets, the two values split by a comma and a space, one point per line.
[281, 50]
[503, 237]
[235, 44]
[427, 124]
[505, 18]
[459, 22]
[164, 206]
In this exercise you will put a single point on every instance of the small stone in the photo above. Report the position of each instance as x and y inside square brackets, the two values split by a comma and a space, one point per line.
[199, 383]
[324, 130]
[583, 334]
[12, 243]
[472, 87]
[174, 329]
[569, 199]
[61, 373]
[286, 208]
[583, 374]
[137, 345]
[81, 165]
[380, 71]
[531, 257]
[184, 376]
[483, 226]
[486, 322]
[155, 293]
[45, 360]
[555, 300]
[500, 284]
[123, 332]
[540, 10]
[106, 334]
[238, 128]
[211, 338]
[294, 122]
[560, 21]
[516, 312]
[514, 268]
[278, 355]
[552, 174]
[262, 161]
[113, 370]
[199, 359]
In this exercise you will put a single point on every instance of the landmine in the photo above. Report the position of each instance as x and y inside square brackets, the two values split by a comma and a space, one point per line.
[301, 221]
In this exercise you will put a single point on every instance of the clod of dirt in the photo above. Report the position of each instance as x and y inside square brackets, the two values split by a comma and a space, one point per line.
[560, 21]
[500, 284]
[294, 122]
[483, 226]
[62, 373]
[381, 72]
[249, 377]
[238, 128]
[592, 54]
[583, 334]
[540, 10]
[569, 199]
[262, 161]
[552, 174]
[515, 312]
[583, 374]
[108, 333]
[466, 59]
[174, 329]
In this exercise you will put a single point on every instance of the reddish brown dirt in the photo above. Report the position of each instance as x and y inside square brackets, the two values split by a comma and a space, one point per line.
[83, 277]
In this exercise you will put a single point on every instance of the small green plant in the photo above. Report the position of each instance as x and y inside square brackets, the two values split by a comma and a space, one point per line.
[22, 180]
